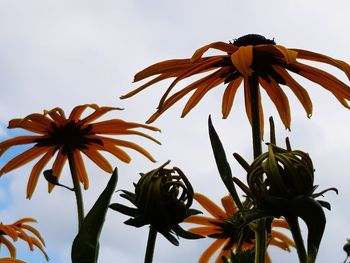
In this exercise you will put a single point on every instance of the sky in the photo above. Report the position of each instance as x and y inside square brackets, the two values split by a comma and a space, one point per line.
[65, 53]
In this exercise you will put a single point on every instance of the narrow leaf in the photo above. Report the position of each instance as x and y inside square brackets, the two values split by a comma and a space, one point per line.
[222, 164]
[86, 243]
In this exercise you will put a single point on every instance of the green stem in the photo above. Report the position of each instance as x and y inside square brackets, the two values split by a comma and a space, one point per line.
[152, 235]
[298, 239]
[77, 189]
[260, 234]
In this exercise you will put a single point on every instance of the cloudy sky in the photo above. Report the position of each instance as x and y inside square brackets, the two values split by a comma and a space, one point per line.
[65, 53]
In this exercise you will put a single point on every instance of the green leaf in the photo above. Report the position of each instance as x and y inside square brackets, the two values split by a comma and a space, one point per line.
[313, 215]
[129, 211]
[86, 243]
[222, 164]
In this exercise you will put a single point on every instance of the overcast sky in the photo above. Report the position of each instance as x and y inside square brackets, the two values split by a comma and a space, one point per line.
[65, 53]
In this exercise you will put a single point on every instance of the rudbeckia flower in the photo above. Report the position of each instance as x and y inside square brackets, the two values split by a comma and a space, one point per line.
[222, 227]
[250, 55]
[21, 230]
[67, 138]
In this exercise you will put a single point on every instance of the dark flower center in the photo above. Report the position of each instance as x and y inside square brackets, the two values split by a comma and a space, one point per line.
[252, 39]
[68, 137]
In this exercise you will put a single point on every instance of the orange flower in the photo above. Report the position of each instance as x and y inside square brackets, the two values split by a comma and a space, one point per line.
[246, 56]
[221, 227]
[19, 230]
[69, 137]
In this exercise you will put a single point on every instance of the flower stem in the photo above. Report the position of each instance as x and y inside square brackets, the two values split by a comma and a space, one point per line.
[152, 235]
[298, 239]
[77, 189]
[260, 234]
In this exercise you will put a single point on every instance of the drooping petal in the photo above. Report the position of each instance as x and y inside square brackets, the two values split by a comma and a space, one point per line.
[23, 159]
[127, 144]
[201, 91]
[229, 95]
[209, 252]
[57, 115]
[278, 235]
[289, 55]
[57, 167]
[210, 206]
[77, 112]
[34, 231]
[324, 79]
[98, 159]
[116, 126]
[167, 66]
[226, 47]
[297, 89]
[242, 59]
[39, 120]
[80, 168]
[280, 100]
[313, 56]
[8, 230]
[99, 111]
[208, 63]
[116, 151]
[19, 140]
[9, 246]
[229, 205]
[27, 125]
[149, 83]
[178, 95]
[38, 167]
[224, 252]
[280, 223]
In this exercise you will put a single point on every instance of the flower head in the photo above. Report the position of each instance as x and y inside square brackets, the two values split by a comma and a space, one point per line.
[21, 230]
[68, 138]
[250, 55]
[162, 198]
[224, 226]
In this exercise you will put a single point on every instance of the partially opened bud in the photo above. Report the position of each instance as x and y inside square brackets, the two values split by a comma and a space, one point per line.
[162, 198]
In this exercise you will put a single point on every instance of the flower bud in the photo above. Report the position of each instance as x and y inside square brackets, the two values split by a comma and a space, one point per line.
[162, 198]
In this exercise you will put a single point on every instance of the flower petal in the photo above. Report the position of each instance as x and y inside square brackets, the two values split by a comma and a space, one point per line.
[9, 246]
[80, 168]
[242, 59]
[209, 252]
[226, 47]
[210, 206]
[98, 159]
[313, 56]
[289, 55]
[23, 159]
[297, 89]
[57, 167]
[201, 91]
[280, 100]
[38, 167]
[167, 66]
[229, 205]
[127, 144]
[229, 95]
[19, 140]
